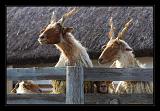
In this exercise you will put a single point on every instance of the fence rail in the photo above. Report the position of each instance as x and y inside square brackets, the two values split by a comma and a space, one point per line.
[74, 77]
[96, 73]
[88, 99]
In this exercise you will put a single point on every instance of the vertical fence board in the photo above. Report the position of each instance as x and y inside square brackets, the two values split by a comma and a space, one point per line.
[74, 85]
[9, 83]
[9, 86]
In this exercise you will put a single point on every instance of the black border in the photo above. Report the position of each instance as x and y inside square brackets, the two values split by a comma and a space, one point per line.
[22, 3]
[81, 2]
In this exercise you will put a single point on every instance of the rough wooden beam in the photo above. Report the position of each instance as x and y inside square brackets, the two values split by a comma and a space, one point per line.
[123, 99]
[9, 86]
[35, 99]
[74, 85]
[118, 74]
[46, 73]
[96, 73]
[9, 83]
[89, 98]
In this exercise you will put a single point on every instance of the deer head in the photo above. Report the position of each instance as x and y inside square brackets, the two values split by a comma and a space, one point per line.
[27, 87]
[52, 33]
[116, 45]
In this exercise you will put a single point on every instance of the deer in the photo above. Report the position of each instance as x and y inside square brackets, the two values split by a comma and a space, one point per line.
[72, 53]
[120, 54]
[26, 87]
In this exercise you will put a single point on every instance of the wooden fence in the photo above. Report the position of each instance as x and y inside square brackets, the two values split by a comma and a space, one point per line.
[75, 76]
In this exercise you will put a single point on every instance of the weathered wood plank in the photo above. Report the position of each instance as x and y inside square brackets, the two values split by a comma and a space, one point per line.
[96, 73]
[123, 99]
[89, 98]
[35, 99]
[9, 83]
[47, 73]
[118, 74]
[74, 85]
[9, 86]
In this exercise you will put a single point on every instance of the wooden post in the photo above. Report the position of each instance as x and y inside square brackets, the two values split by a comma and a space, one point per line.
[9, 83]
[74, 85]
[9, 86]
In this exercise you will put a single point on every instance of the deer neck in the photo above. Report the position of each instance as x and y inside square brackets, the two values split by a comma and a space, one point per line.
[126, 60]
[69, 48]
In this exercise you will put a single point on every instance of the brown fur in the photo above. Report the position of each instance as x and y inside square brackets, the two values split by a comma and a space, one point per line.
[51, 35]
[68, 48]
[26, 87]
[110, 51]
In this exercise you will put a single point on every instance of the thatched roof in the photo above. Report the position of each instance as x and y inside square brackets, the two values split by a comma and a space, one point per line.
[90, 27]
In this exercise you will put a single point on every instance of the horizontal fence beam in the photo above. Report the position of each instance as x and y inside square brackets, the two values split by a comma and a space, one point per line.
[118, 74]
[35, 99]
[47, 73]
[95, 74]
[122, 98]
[89, 98]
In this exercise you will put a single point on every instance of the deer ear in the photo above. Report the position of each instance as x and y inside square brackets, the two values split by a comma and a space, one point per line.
[67, 29]
[128, 49]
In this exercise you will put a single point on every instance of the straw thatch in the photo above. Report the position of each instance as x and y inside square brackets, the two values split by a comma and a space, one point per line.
[90, 27]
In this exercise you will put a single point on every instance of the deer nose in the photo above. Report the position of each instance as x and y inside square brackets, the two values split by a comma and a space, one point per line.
[100, 60]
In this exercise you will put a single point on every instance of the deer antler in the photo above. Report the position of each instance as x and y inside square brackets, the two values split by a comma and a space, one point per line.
[53, 17]
[68, 14]
[125, 29]
[112, 28]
